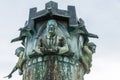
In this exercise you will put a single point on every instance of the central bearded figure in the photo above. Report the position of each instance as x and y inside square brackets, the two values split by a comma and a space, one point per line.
[51, 43]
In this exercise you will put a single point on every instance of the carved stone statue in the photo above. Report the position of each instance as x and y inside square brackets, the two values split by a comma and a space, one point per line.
[51, 43]
[56, 45]
[19, 65]
[86, 57]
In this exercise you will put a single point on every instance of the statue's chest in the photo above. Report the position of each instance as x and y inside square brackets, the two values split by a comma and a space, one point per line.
[51, 41]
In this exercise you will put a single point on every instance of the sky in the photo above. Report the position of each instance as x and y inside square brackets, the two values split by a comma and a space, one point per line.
[102, 17]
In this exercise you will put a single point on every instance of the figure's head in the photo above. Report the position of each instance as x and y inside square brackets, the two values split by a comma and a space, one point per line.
[51, 26]
[92, 47]
[18, 51]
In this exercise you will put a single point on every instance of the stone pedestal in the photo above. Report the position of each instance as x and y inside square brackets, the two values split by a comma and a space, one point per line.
[53, 68]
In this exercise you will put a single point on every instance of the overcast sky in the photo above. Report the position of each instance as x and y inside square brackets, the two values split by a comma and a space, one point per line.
[101, 17]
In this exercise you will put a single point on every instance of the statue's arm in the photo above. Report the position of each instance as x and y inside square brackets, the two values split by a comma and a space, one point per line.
[87, 50]
[64, 48]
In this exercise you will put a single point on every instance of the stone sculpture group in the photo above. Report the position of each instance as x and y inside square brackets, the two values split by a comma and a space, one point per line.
[56, 45]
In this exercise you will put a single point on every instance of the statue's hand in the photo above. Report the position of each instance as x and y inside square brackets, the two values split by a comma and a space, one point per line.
[49, 50]
[43, 49]
[9, 76]
[55, 49]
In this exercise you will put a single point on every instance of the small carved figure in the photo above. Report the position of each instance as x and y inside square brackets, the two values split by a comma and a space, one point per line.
[19, 53]
[88, 50]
